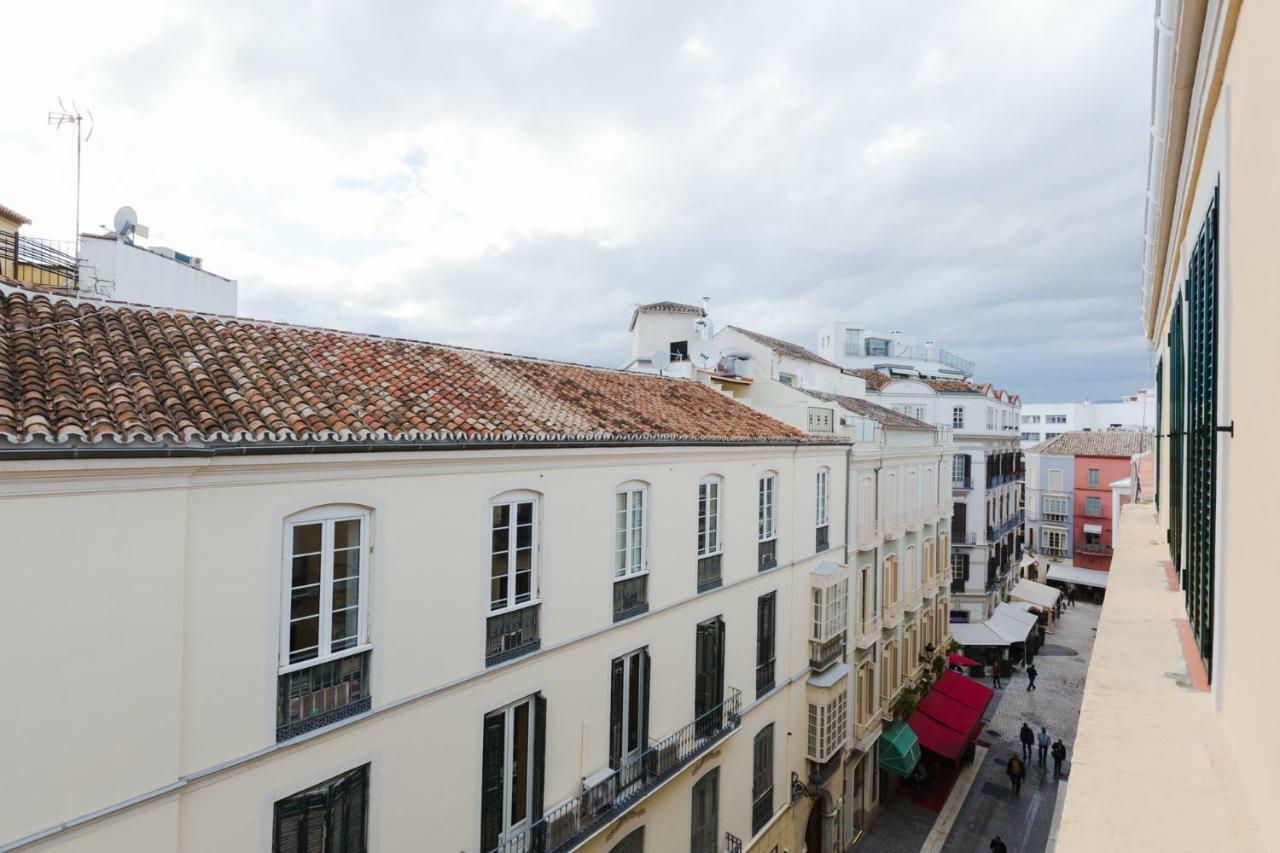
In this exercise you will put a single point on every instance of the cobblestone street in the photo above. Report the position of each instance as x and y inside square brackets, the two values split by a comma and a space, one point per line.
[989, 807]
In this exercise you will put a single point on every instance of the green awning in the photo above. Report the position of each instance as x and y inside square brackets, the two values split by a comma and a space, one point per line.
[899, 748]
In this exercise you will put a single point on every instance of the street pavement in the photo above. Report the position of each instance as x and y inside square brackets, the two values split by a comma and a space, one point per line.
[990, 807]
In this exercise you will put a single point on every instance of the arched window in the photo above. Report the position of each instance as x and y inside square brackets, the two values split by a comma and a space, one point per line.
[767, 512]
[709, 495]
[326, 583]
[513, 549]
[823, 496]
[630, 509]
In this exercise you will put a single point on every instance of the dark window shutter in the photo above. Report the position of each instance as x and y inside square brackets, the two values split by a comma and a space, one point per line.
[347, 810]
[719, 683]
[1155, 487]
[491, 780]
[968, 466]
[539, 754]
[644, 729]
[615, 714]
[300, 824]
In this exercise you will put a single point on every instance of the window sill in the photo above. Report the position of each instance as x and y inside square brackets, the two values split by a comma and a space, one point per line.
[632, 576]
[310, 662]
[524, 605]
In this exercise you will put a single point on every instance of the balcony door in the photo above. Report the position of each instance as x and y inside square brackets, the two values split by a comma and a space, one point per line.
[629, 714]
[515, 740]
[705, 826]
[708, 684]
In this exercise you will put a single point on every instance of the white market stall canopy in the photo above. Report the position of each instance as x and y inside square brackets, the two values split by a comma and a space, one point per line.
[1074, 574]
[1012, 623]
[975, 634]
[1041, 595]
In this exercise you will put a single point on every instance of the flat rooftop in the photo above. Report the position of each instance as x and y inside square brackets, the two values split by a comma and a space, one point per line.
[1151, 768]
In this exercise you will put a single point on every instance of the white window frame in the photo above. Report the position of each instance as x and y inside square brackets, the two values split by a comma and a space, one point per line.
[767, 507]
[957, 417]
[327, 517]
[1049, 534]
[1091, 501]
[1094, 478]
[510, 830]
[635, 495]
[957, 468]
[711, 488]
[1056, 479]
[512, 499]
[823, 508]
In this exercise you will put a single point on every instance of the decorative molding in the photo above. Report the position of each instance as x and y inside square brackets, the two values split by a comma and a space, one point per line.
[618, 824]
[697, 765]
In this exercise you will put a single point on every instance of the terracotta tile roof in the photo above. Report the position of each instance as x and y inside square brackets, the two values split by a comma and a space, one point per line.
[13, 216]
[666, 308]
[785, 348]
[76, 372]
[875, 379]
[880, 414]
[1108, 443]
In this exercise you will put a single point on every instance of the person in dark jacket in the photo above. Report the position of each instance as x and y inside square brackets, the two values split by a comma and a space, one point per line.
[995, 676]
[1042, 742]
[1031, 677]
[997, 845]
[1028, 738]
[1017, 772]
[1059, 753]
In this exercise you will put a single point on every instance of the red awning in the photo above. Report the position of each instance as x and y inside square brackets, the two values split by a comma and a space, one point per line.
[958, 659]
[965, 690]
[949, 715]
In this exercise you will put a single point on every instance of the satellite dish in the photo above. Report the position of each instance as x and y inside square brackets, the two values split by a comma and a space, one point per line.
[661, 359]
[126, 224]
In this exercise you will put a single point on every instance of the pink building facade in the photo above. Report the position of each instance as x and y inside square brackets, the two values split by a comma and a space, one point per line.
[1093, 508]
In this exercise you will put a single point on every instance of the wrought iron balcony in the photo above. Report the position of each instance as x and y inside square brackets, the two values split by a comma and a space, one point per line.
[1089, 548]
[312, 698]
[630, 597]
[511, 635]
[732, 843]
[765, 677]
[709, 572]
[821, 539]
[823, 653]
[1053, 551]
[569, 824]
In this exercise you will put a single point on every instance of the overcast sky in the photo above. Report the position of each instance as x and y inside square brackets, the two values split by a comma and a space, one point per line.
[518, 175]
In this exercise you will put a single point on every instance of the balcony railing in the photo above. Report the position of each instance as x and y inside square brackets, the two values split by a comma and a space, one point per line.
[868, 631]
[914, 599]
[41, 262]
[511, 635]
[571, 822]
[995, 534]
[957, 584]
[1053, 551]
[1089, 548]
[630, 597]
[823, 653]
[709, 573]
[1057, 517]
[868, 534]
[732, 843]
[765, 677]
[892, 613]
[892, 527]
[767, 554]
[821, 539]
[861, 730]
[312, 698]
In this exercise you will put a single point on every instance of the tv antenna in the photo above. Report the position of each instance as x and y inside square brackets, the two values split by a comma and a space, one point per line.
[61, 116]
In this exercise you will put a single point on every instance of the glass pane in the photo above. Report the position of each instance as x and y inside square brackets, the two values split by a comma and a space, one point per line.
[498, 593]
[304, 601]
[498, 566]
[346, 624]
[306, 538]
[621, 502]
[523, 588]
[524, 535]
[304, 636]
[501, 515]
[346, 593]
[524, 560]
[520, 742]
[346, 534]
[499, 540]
[346, 564]
[524, 512]
[306, 570]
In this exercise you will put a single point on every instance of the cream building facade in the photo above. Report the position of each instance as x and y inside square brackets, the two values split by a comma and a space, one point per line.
[1201, 562]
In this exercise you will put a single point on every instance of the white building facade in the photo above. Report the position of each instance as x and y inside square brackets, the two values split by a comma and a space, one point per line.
[1045, 421]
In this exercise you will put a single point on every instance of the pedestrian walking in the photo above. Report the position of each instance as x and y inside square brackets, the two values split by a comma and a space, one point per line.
[995, 675]
[1031, 677]
[1043, 740]
[1017, 772]
[1028, 737]
[1059, 755]
[998, 846]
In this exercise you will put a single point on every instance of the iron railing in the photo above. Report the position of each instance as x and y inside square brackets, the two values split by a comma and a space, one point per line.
[1056, 517]
[879, 348]
[822, 539]
[568, 824]
[511, 635]
[1053, 551]
[732, 843]
[823, 653]
[709, 573]
[312, 698]
[1089, 548]
[765, 677]
[630, 597]
[768, 554]
[995, 534]
[40, 262]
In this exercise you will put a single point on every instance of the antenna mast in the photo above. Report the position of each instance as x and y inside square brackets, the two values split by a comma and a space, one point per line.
[57, 119]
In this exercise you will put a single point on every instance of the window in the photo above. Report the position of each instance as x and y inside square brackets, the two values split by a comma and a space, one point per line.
[1031, 436]
[514, 754]
[766, 528]
[1094, 477]
[891, 587]
[766, 642]
[991, 418]
[1093, 539]
[1055, 541]
[709, 534]
[324, 658]
[761, 778]
[1093, 506]
[628, 712]
[704, 829]
[514, 549]
[1055, 479]
[958, 468]
[1055, 508]
[632, 843]
[679, 350]
[1049, 435]
[1055, 419]
[959, 567]
[821, 420]
[957, 417]
[328, 818]
[1031, 419]
[877, 346]
[787, 379]
[708, 674]
[828, 723]
[628, 548]
[823, 498]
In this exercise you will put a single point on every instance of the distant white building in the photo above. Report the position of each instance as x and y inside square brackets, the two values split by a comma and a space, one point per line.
[854, 346]
[1045, 421]
[115, 268]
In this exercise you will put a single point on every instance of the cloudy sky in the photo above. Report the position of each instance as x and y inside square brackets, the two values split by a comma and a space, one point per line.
[517, 175]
